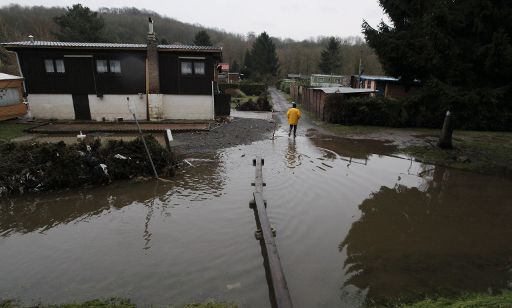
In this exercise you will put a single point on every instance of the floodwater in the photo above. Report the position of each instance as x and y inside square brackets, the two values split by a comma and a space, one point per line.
[355, 227]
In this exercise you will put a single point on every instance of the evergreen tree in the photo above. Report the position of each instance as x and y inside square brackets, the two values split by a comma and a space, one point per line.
[263, 58]
[202, 39]
[80, 24]
[330, 59]
[247, 67]
[235, 67]
[460, 50]
[461, 43]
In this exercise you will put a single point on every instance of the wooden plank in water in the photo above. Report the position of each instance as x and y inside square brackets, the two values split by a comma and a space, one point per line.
[279, 285]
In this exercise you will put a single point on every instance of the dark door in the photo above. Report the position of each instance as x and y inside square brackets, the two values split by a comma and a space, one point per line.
[80, 78]
[80, 74]
[81, 105]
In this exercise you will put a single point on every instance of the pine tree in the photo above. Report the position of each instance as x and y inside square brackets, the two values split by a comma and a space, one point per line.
[330, 59]
[247, 67]
[202, 39]
[460, 50]
[461, 43]
[263, 58]
[235, 67]
[80, 24]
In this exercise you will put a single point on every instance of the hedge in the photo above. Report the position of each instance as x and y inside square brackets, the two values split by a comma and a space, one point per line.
[378, 111]
[478, 109]
[47, 166]
[251, 89]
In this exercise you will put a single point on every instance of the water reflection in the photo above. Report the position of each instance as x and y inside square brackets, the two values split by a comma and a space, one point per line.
[293, 159]
[356, 148]
[41, 212]
[449, 235]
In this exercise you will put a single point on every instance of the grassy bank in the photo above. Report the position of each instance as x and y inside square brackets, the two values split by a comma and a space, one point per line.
[9, 130]
[470, 301]
[484, 152]
[477, 151]
[113, 303]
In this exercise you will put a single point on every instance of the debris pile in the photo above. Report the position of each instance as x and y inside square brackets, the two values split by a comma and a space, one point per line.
[48, 166]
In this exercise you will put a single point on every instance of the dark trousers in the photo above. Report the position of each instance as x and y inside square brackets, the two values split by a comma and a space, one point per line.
[294, 127]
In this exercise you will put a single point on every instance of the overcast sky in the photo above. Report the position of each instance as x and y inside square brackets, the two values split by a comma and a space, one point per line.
[296, 19]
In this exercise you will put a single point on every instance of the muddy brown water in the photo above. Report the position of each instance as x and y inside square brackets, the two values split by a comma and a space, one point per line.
[354, 227]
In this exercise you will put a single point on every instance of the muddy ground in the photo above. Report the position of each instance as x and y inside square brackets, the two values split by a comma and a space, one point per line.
[227, 134]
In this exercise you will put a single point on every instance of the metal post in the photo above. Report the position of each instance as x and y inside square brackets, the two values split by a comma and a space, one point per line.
[143, 140]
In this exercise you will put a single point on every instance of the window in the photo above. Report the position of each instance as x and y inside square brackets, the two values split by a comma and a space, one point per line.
[115, 66]
[48, 64]
[102, 66]
[59, 65]
[199, 68]
[108, 66]
[193, 68]
[186, 68]
[54, 66]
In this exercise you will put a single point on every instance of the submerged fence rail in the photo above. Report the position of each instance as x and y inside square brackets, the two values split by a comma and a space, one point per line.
[279, 293]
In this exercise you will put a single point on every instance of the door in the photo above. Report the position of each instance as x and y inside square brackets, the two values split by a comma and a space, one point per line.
[81, 106]
[80, 78]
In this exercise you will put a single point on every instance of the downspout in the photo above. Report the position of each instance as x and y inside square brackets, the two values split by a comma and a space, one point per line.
[147, 91]
[213, 101]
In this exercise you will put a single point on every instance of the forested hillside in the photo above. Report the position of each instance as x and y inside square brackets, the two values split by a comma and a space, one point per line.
[129, 25]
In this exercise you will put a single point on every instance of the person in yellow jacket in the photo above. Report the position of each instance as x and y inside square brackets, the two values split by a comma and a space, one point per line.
[293, 119]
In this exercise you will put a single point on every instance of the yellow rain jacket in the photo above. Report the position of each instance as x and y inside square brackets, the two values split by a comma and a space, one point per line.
[293, 116]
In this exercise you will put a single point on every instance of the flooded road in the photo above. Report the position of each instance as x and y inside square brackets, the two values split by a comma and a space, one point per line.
[354, 227]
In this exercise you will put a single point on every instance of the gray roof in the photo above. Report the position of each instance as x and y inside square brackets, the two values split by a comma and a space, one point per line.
[383, 78]
[84, 45]
[344, 90]
[9, 77]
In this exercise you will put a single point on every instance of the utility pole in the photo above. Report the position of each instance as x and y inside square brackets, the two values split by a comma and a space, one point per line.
[360, 67]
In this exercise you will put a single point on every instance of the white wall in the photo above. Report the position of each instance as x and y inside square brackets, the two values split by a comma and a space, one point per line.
[51, 106]
[188, 107]
[112, 106]
[174, 107]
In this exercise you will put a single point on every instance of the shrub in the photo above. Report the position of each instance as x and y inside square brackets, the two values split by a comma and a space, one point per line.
[365, 111]
[249, 88]
[262, 104]
[47, 166]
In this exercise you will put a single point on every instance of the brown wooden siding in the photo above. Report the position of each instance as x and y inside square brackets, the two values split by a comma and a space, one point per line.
[173, 82]
[17, 110]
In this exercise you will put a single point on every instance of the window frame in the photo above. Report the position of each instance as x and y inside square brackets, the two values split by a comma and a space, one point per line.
[54, 67]
[108, 63]
[193, 70]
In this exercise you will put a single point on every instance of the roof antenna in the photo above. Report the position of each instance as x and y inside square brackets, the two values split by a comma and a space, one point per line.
[31, 38]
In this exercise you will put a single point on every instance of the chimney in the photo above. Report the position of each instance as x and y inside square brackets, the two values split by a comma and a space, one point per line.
[31, 39]
[152, 61]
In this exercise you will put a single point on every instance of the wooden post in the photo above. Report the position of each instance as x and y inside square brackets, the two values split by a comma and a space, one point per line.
[278, 287]
[445, 141]
[168, 138]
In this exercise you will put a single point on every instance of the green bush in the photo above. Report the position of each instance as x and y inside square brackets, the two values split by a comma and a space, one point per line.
[46, 166]
[261, 104]
[377, 110]
[475, 110]
[478, 109]
[250, 89]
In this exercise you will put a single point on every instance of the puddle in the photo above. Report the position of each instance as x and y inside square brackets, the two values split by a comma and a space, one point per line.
[354, 226]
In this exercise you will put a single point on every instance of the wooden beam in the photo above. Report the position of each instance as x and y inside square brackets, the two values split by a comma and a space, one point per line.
[275, 269]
